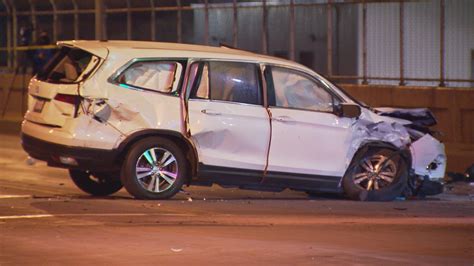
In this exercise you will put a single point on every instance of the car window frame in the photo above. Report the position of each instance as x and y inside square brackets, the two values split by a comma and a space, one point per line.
[197, 80]
[114, 78]
[270, 88]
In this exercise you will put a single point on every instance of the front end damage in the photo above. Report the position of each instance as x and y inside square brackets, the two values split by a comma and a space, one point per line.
[406, 131]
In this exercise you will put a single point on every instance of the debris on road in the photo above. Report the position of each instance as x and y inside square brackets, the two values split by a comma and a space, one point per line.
[30, 160]
[176, 249]
[184, 191]
[467, 176]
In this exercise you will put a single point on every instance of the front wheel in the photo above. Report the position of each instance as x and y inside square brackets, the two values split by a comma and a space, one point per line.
[154, 168]
[377, 175]
[97, 184]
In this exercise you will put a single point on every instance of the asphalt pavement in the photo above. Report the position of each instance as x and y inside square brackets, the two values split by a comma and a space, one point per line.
[46, 220]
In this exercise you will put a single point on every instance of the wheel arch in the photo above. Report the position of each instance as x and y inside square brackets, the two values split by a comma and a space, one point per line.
[176, 137]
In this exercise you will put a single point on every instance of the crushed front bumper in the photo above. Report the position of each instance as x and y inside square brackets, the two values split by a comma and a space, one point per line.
[428, 158]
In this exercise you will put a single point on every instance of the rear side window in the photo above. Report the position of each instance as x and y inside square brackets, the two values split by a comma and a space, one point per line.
[160, 76]
[67, 65]
[228, 81]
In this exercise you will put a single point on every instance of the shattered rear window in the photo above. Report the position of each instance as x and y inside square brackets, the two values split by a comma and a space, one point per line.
[66, 66]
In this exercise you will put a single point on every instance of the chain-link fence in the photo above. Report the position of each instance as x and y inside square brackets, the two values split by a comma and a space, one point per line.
[429, 43]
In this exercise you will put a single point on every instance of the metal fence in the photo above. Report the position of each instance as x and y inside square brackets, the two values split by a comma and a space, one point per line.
[399, 42]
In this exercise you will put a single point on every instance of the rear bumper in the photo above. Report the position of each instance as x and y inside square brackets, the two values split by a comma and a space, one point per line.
[86, 158]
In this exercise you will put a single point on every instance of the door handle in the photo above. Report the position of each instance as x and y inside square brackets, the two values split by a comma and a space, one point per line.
[209, 112]
[284, 119]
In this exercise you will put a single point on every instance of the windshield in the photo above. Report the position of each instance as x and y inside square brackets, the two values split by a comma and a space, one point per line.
[66, 66]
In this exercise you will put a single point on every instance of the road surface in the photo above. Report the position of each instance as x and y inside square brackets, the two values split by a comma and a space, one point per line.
[44, 219]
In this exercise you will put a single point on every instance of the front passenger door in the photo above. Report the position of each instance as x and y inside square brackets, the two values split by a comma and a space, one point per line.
[307, 137]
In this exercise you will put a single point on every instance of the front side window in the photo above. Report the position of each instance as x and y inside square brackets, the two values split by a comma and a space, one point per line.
[160, 76]
[228, 81]
[292, 89]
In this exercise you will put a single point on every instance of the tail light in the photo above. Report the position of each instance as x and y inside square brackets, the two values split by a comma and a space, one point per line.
[71, 99]
[67, 98]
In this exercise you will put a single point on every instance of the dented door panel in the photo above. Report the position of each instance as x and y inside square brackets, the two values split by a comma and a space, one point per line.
[230, 134]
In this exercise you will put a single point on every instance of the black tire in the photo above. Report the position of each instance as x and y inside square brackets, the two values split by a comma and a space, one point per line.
[391, 180]
[96, 184]
[145, 187]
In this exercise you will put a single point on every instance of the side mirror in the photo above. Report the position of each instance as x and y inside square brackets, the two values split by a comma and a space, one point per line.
[348, 110]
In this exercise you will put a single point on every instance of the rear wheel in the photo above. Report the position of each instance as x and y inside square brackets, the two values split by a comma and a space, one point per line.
[97, 184]
[154, 168]
[378, 175]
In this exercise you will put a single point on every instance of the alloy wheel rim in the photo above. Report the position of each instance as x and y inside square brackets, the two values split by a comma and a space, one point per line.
[156, 170]
[375, 172]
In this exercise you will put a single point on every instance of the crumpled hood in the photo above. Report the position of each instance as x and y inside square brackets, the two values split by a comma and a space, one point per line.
[418, 116]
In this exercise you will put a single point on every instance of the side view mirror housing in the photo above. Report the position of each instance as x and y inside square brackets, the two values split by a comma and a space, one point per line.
[348, 110]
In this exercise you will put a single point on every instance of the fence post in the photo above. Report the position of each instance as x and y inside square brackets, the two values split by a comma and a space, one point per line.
[33, 21]
[179, 22]
[55, 21]
[441, 44]
[99, 19]
[235, 24]
[364, 43]
[129, 20]
[15, 36]
[402, 60]
[76, 19]
[329, 38]
[206, 22]
[264, 28]
[9, 33]
[152, 21]
[292, 30]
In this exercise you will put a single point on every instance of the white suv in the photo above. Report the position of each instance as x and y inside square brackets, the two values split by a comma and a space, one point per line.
[154, 116]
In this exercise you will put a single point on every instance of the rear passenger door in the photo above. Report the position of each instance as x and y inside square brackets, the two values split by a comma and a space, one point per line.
[227, 120]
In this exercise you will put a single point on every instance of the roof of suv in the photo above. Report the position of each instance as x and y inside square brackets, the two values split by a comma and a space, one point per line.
[187, 50]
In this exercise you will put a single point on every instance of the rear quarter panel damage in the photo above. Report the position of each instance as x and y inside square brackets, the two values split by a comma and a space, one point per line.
[119, 112]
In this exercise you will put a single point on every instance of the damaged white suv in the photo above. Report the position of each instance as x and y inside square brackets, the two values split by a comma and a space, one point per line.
[154, 116]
